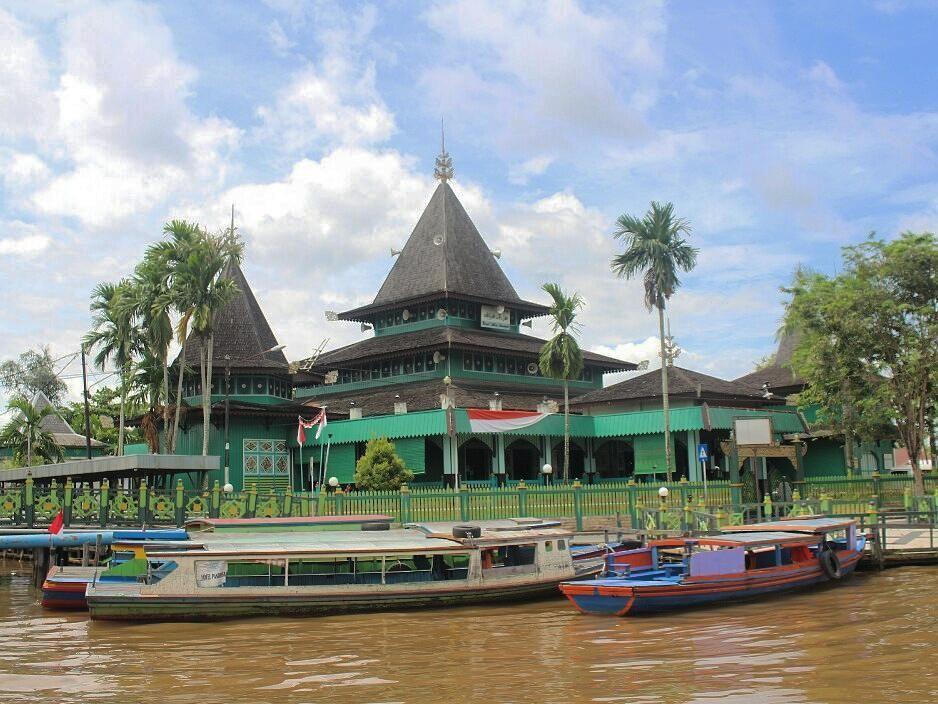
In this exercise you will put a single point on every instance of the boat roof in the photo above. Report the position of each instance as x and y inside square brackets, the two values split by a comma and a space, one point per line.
[211, 524]
[739, 540]
[499, 531]
[815, 525]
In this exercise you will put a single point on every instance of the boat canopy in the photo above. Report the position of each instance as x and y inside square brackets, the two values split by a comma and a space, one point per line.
[795, 525]
[283, 522]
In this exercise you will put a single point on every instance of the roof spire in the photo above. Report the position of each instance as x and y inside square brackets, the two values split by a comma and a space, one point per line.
[444, 163]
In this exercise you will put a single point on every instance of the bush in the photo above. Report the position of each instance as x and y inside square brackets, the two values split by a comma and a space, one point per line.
[381, 468]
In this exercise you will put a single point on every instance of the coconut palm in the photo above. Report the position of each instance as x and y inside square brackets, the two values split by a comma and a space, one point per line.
[656, 247]
[24, 434]
[208, 292]
[179, 253]
[115, 336]
[152, 302]
[561, 357]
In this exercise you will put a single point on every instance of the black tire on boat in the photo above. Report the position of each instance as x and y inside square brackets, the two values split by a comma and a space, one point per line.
[830, 564]
[376, 525]
[467, 532]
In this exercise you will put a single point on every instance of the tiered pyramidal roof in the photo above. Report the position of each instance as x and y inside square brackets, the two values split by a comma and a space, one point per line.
[241, 332]
[445, 256]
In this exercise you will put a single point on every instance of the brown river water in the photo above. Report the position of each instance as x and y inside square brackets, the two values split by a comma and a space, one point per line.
[872, 639]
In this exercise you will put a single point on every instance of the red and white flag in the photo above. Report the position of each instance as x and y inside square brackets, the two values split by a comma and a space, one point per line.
[484, 421]
[303, 425]
[58, 524]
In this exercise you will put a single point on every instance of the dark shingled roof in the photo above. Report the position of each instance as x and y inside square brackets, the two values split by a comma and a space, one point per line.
[64, 434]
[241, 331]
[463, 338]
[681, 382]
[425, 395]
[779, 375]
[461, 264]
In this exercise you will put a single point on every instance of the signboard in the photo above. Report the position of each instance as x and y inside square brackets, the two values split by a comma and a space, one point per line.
[211, 573]
[703, 452]
[753, 431]
[491, 318]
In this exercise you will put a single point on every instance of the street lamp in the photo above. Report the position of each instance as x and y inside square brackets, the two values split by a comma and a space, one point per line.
[228, 488]
[547, 470]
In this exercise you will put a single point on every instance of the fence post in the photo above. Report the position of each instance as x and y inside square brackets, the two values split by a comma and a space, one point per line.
[736, 496]
[287, 503]
[215, 506]
[463, 503]
[104, 502]
[339, 501]
[523, 499]
[876, 490]
[67, 508]
[405, 503]
[180, 504]
[682, 487]
[578, 504]
[142, 503]
[825, 503]
[632, 507]
[767, 507]
[28, 505]
[720, 517]
[688, 515]
[252, 501]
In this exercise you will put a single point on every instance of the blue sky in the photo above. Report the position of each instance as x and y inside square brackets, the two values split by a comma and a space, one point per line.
[782, 131]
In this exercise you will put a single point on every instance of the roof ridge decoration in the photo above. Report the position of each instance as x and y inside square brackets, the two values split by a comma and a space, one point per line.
[444, 163]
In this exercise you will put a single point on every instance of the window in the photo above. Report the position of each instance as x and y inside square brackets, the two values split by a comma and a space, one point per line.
[408, 365]
[240, 573]
[422, 313]
[395, 367]
[510, 365]
[548, 546]
[264, 458]
[431, 365]
[561, 544]
[398, 318]
[510, 556]
[462, 311]
[467, 361]
[385, 369]
[489, 363]
[418, 364]
[500, 364]
[478, 362]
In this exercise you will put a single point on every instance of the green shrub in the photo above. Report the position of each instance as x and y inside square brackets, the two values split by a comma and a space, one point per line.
[381, 468]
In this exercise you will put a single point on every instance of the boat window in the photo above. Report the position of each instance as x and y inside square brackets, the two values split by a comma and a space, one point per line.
[408, 568]
[561, 544]
[322, 571]
[549, 545]
[509, 556]
[239, 573]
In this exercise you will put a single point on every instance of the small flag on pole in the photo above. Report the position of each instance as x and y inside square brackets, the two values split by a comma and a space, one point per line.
[320, 422]
[58, 524]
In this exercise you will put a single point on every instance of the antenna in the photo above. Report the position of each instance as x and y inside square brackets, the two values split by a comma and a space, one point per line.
[497, 253]
[310, 361]
[395, 252]
[232, 230]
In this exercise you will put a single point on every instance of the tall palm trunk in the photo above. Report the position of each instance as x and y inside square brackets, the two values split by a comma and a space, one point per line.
[664, 393]
[182, 371]
[120, 431]
[164, 445]
[566, 432]
[207, 394]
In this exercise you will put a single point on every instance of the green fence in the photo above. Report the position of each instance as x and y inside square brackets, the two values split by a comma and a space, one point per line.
[30, 504]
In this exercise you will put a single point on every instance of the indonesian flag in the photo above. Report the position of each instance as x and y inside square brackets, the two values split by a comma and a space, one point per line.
[484, 421]
[58, 524]
[303, 425]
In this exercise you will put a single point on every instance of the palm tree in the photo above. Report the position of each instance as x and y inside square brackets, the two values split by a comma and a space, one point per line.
[208, 292]
[561, 357]
[152, 302]
[148, 383]
[24, 433]
[179, 253]
[115, 336]
[655, 246]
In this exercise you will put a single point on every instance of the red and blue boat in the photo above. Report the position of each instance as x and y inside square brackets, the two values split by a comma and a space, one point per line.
[743, 562]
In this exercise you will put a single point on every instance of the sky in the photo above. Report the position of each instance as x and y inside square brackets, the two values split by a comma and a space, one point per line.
[782, 131]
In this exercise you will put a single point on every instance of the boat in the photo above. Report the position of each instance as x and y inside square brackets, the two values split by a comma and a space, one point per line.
[740, 563]
[333, 572]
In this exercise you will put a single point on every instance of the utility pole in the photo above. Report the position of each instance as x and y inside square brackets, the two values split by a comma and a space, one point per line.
[84, 391]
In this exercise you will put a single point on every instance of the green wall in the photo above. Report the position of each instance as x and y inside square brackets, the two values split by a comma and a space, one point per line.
[824, 458]
[649, 453]
[341, 463]
[413, 452]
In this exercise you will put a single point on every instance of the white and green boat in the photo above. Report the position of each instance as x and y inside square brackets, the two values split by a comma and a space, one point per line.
[332, 572]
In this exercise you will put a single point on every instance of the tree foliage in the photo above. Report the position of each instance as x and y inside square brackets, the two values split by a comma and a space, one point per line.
[561, 357]
[381, 468]
[868, 339]
[24, 433]
[33, 372]
[104, 406]
[656, 247]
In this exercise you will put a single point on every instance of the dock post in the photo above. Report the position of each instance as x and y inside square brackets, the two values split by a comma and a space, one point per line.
[98, 545]
[103, 502]
[578, 504]
[216, 500]
[630, 488]
[29, 505]
[67, 509]
[41, 560]
[180, 504]
[85, 554]
[405, 503]
[522, 499]
[142, 504]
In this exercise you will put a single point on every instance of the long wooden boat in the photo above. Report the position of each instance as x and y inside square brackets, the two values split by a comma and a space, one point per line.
[331, 572]
[741, 563]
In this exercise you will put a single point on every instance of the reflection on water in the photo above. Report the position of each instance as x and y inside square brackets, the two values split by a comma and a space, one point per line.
[875, 639]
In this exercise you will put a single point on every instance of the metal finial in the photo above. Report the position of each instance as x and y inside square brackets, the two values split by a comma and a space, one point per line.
[444, 163]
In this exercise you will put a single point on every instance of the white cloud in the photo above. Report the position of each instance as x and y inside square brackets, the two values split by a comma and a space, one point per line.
[19, 170]
[535, 166]
[24, 77]
[24, 246]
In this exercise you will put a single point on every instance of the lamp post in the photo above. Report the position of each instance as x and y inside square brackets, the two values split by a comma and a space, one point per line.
[228, 488]
[547, 470]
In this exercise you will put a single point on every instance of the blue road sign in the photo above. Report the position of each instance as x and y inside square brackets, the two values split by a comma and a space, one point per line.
[703, 452]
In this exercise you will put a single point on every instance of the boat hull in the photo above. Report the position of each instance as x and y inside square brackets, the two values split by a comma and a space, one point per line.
[605, 597]
[122, 607]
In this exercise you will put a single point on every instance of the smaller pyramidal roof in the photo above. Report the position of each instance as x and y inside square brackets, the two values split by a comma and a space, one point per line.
[241, 332]
[445, 256]
[778, 375]
[64, 434]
